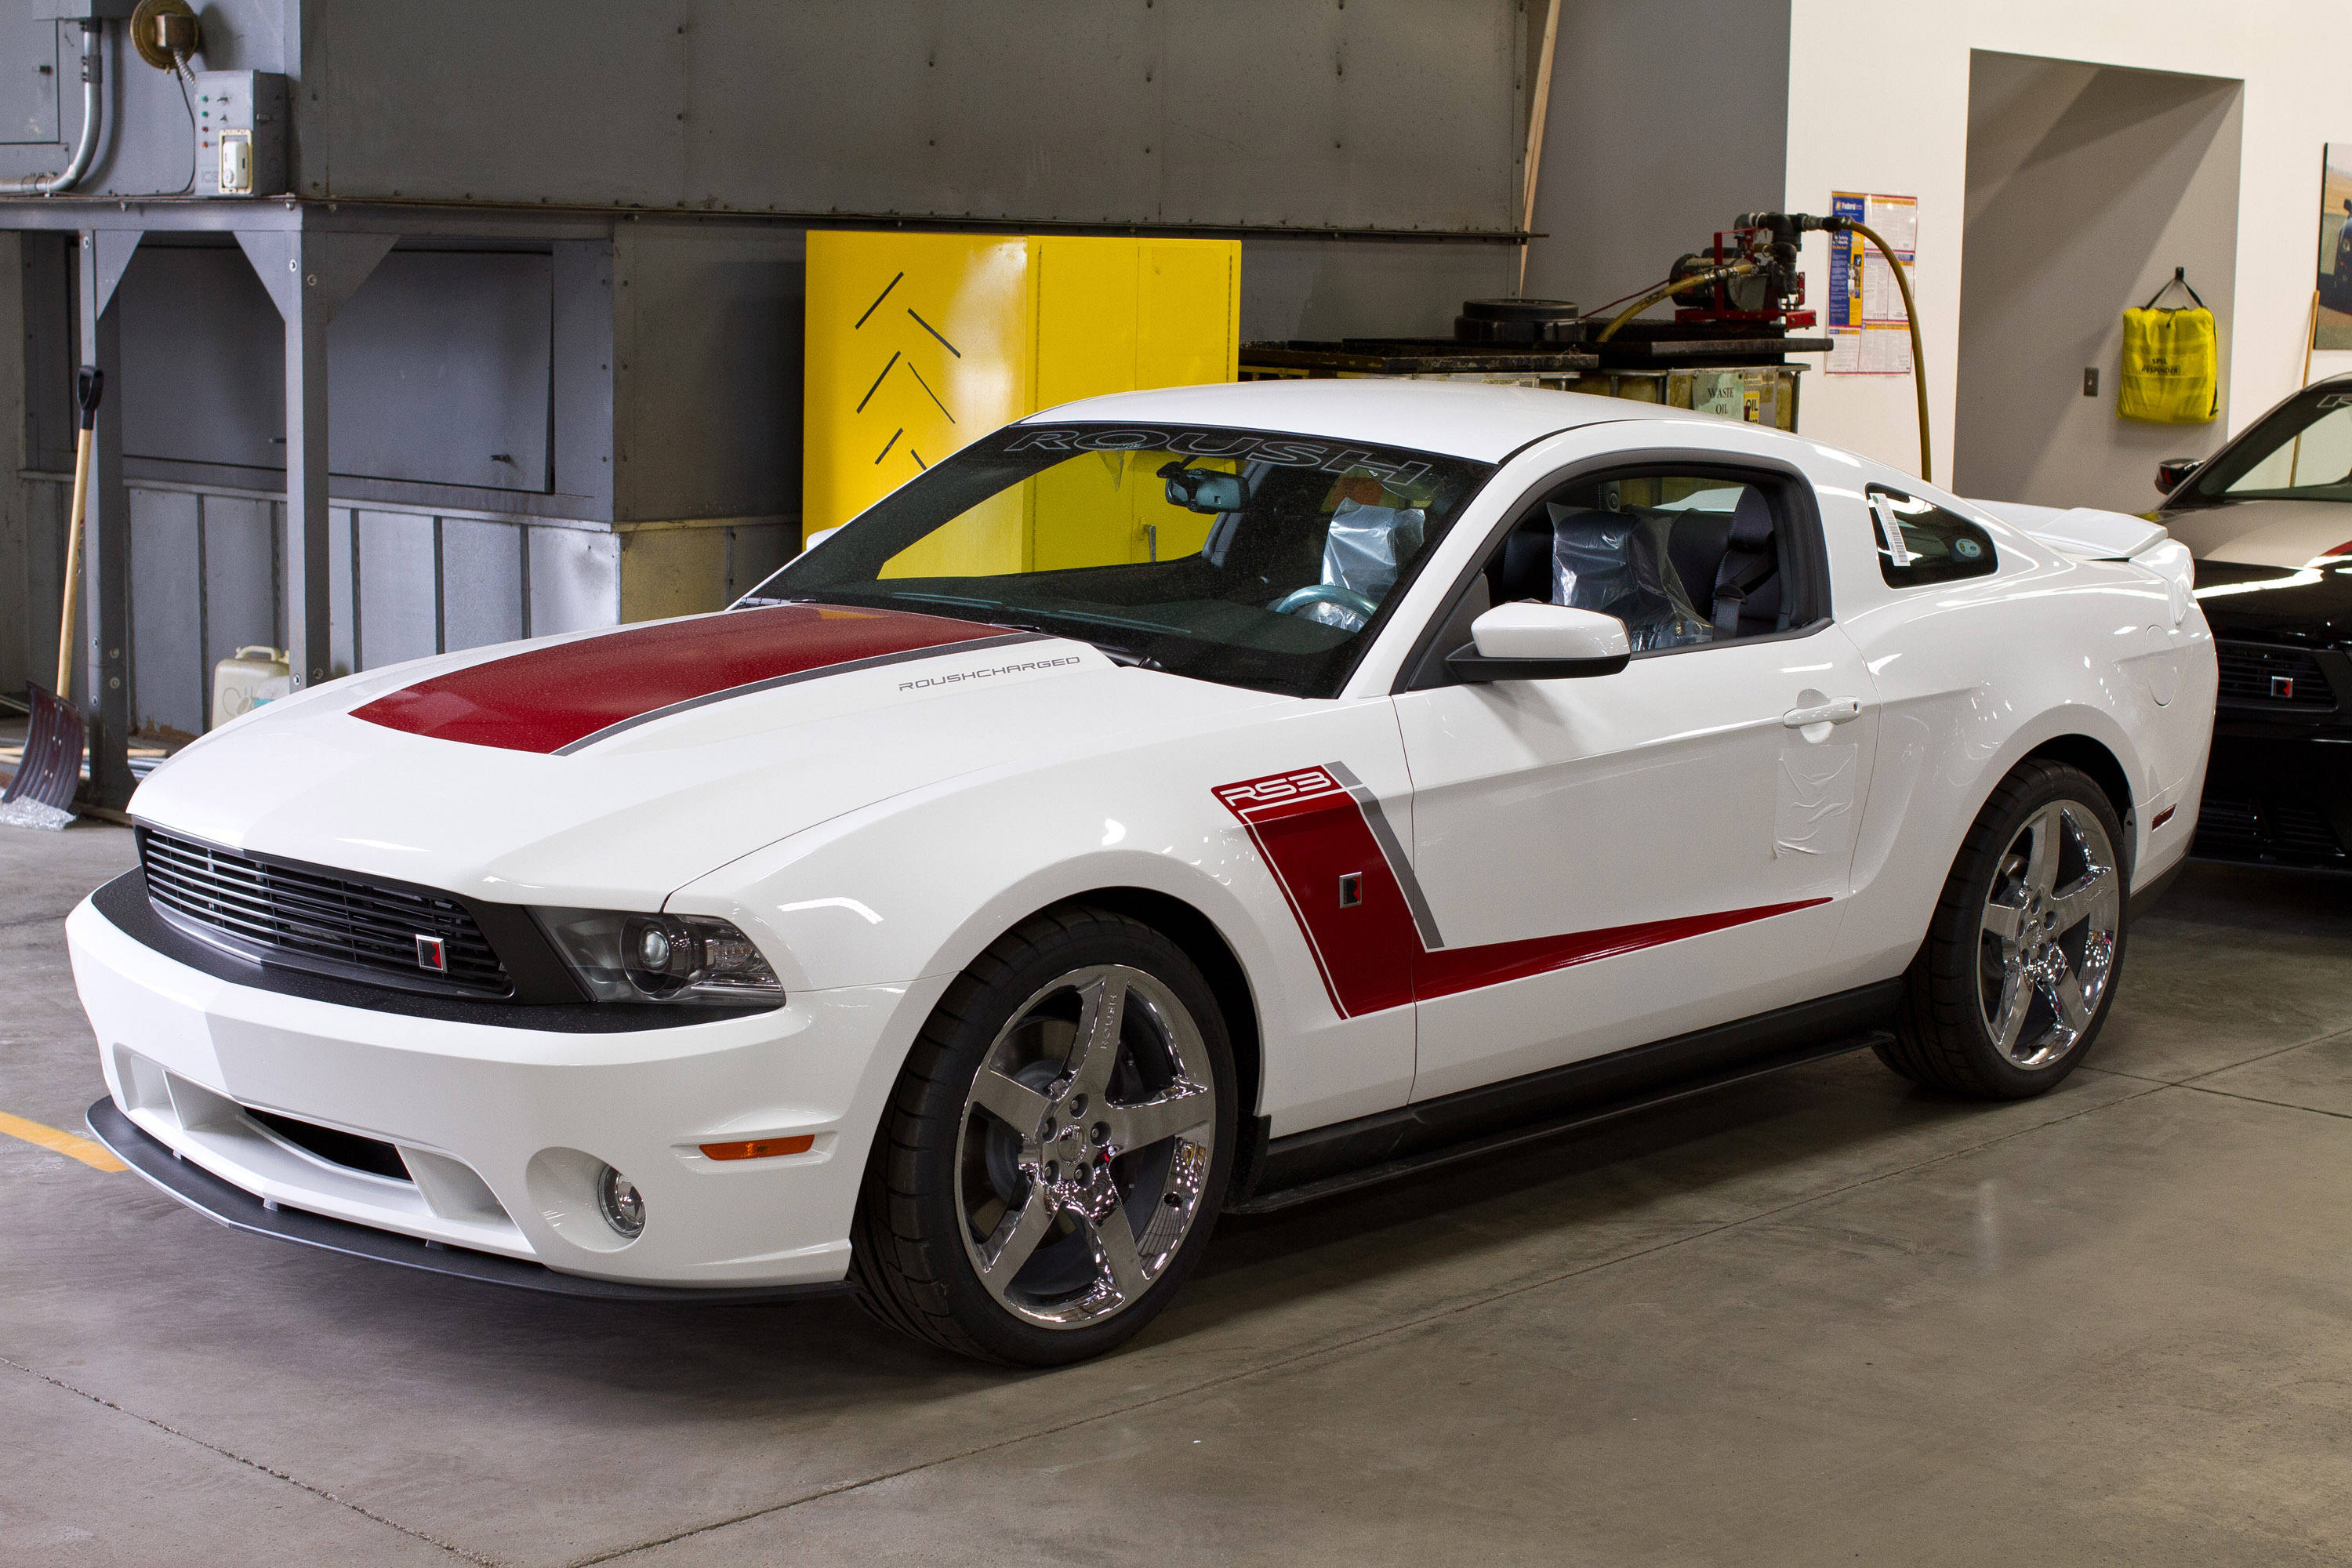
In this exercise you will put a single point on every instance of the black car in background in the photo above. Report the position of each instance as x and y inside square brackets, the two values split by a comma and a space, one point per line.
[2269, 518]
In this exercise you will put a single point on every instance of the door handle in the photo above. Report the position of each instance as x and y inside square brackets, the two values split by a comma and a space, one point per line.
[1836, 713]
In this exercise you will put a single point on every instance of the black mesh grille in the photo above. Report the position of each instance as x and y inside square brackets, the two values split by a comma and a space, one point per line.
[2237, 827]
[2231, 823]
[2273, 677]
[334, 921]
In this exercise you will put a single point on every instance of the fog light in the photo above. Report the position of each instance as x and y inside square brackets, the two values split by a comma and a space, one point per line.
[624, 1210]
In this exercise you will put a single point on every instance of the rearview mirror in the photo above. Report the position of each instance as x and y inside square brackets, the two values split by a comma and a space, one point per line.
[1540, 642]
[2172, 471]
[1205, 489]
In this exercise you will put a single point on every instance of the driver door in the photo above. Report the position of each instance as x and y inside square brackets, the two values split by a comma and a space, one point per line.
[1613, 860]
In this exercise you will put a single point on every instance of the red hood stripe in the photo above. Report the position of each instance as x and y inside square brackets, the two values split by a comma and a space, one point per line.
[558, 699]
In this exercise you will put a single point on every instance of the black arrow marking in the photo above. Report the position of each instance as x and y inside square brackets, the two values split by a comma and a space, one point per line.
[878, 302]
[926, 388]
[878, 386]
[935, 332]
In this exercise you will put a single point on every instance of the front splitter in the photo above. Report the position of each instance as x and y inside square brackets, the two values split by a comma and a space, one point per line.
[240, 1210]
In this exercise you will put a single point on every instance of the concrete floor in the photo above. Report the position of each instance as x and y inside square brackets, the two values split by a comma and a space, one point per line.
[1824, 1317]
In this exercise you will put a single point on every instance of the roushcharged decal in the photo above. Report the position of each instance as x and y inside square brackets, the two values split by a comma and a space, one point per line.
[1352, 891]
[958, 677]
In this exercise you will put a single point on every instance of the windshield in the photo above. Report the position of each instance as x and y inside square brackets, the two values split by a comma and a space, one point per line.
[2301, 451]
[1250, 557]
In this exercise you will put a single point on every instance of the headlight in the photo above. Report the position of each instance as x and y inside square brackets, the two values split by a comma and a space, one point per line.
[661, 958]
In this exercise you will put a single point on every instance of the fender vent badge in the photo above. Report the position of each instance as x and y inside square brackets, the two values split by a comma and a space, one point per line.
[1351, 889]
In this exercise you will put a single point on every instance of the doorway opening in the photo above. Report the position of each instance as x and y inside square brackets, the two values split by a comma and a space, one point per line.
[2086, 185]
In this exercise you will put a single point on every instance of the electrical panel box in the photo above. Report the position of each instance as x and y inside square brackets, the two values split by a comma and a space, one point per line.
[920, 344]
[240, 133]
[28, 80]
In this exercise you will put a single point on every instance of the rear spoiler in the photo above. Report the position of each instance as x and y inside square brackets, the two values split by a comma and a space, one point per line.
[2088, 533]
[2081, 530]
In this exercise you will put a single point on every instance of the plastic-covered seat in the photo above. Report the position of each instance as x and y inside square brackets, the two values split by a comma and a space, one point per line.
[1617, 563]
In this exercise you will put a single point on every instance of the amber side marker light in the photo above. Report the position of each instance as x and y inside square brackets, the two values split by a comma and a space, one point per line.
[760, 1148]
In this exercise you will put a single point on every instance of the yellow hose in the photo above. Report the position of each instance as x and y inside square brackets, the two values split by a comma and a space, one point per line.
[1910, 315]
[1736, 269]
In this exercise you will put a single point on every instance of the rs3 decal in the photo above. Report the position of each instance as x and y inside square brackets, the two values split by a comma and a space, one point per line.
[1351, 887]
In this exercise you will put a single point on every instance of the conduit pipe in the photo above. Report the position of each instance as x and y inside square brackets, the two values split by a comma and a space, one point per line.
[93, 77]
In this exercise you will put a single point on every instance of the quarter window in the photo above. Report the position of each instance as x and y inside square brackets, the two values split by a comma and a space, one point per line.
[1919, 542]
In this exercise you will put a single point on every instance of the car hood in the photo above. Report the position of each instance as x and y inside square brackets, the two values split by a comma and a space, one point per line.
[2268, 568]
[607, 769]
[2262, 532]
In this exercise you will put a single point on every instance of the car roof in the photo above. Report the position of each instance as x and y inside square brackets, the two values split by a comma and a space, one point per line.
[1461, 419]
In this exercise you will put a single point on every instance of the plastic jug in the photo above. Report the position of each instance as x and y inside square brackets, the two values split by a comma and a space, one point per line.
[249, 678]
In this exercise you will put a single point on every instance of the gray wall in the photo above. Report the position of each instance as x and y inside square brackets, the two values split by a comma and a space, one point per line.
[706, 395]
[1383, 114]
[1402, 114]
[1328, 289]
[1666, 122]
[2086, 186]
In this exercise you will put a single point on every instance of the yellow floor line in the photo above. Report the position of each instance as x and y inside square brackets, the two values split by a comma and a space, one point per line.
[89, 1153]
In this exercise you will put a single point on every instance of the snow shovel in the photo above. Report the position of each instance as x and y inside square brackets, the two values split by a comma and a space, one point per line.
[42, 793]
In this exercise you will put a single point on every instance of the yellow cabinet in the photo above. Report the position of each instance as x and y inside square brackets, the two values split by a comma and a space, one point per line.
[918, 343]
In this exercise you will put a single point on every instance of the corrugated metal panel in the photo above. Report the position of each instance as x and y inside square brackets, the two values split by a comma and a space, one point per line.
[241, 601]
[399, 602]
[167, 667]
[575, 580]
[342, 646]
[481, 583]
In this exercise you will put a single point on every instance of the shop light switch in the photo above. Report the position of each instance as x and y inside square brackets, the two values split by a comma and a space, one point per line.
[240, 133]
[2090, 381]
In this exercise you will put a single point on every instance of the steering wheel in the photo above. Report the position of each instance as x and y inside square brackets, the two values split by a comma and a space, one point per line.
[1331, 593]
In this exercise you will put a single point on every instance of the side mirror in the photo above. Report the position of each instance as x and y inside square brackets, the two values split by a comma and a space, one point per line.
[2173, 472]
[1540, 642]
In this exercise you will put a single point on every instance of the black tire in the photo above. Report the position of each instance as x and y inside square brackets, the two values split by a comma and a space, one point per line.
[1947, 1032]
[948, 1175]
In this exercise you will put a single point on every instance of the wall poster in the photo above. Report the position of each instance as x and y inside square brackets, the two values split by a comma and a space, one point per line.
[1869, 334]
[2332, 328]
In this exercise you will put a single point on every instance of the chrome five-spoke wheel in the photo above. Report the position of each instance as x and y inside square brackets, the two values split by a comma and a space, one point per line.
[2049, 934]
[2019, 968]
[1057, 1148]
[1085, 1146]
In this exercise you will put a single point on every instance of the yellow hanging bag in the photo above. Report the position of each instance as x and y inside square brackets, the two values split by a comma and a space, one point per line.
[2170, 374]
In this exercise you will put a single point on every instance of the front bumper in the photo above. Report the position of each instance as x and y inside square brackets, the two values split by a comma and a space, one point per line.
[501, 1129]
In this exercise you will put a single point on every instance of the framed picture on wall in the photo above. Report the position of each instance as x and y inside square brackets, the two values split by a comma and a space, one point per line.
[2332, 325]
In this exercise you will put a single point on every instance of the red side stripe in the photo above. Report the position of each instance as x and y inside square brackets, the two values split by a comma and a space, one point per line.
[548, 697]
[1311, 832]
[1457, 968]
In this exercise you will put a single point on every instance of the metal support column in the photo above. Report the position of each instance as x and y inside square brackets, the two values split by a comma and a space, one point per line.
[309, 275]
[106, 531]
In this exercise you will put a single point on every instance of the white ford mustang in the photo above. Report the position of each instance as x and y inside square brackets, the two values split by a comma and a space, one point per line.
[1178, 802]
